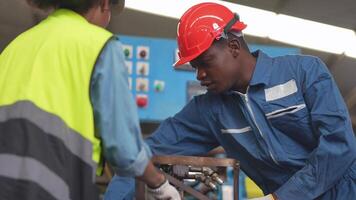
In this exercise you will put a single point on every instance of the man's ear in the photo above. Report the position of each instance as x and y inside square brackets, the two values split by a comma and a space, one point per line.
[234, 46]
[117, 7]
[104, 5]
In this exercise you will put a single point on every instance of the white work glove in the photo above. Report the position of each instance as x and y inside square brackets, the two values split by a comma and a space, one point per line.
[268, 197]
[164, 192]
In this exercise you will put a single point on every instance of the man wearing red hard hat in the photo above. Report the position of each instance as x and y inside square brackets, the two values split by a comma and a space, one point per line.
[271, 114]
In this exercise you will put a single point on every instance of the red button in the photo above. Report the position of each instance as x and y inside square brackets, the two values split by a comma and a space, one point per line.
[141, 101]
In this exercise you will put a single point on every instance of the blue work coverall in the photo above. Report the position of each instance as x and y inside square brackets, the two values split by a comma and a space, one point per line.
[291, 131]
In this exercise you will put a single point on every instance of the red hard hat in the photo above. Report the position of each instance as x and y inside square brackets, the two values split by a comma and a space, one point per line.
[200, 25]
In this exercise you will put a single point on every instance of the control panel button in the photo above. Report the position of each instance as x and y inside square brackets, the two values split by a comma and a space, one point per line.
[141, 100]
[142, 84]
[128, 65]
[128, 51]
[142, 68]
[158, 85]
[143, 52]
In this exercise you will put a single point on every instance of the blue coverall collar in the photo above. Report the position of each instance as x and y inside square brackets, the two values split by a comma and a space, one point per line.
[262, 72]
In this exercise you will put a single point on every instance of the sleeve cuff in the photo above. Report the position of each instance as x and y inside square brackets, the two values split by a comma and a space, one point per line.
[289, 190]
[138, 167]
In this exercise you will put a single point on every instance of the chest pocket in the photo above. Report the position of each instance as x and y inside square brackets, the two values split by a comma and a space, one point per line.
[287, 112]
[284, 102]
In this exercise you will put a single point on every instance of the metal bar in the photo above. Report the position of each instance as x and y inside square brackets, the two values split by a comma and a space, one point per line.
[195, 161]
[198, 162]
[179, 184]
[236, 182]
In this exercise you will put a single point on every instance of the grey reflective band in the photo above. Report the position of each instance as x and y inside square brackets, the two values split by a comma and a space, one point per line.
[52, 125]
[29, 169]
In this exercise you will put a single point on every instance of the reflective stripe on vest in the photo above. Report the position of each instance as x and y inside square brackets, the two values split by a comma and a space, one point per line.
[37, 141]
[34, 171]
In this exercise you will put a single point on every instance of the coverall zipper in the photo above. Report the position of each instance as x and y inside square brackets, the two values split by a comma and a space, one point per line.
[254, 121]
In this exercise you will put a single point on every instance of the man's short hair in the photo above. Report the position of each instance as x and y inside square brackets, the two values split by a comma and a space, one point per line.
[79, 6]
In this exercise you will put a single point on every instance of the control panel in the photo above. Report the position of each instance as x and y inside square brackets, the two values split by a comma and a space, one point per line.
[160, 90]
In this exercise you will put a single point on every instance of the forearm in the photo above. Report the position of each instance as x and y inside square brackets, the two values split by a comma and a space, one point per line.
[152, 177]
[128, 163]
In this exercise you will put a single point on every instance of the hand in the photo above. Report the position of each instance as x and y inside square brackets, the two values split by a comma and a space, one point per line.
[268, 197]
[164, 192]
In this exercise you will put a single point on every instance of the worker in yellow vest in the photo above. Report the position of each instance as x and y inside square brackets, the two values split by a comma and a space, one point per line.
[65, 102]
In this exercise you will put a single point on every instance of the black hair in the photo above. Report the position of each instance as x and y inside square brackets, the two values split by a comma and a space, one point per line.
[79, 6]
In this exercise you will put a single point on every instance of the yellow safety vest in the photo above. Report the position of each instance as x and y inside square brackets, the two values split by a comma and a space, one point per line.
[46, 72]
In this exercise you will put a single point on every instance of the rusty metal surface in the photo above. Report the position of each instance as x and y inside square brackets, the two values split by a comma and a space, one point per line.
[195, 161]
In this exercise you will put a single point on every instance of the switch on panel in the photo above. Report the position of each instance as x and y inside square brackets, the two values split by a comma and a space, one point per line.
[142, 68]
[141, 100]
[128, 51]
[128, 65]
[143, 52]
[158, 85]
[142, 84]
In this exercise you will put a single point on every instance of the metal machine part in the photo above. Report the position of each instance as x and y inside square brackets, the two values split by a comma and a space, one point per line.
[204, 175]
[181, 170]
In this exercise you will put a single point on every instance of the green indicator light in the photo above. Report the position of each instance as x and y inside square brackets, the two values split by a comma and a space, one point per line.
[158, 87]
[127, 52]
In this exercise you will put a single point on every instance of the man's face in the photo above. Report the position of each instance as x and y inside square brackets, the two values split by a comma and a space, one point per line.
[217, 68]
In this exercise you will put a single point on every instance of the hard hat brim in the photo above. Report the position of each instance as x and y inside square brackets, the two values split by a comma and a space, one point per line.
[184, 60]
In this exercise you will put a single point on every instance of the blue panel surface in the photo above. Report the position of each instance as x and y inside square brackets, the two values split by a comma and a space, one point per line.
[161, 57]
